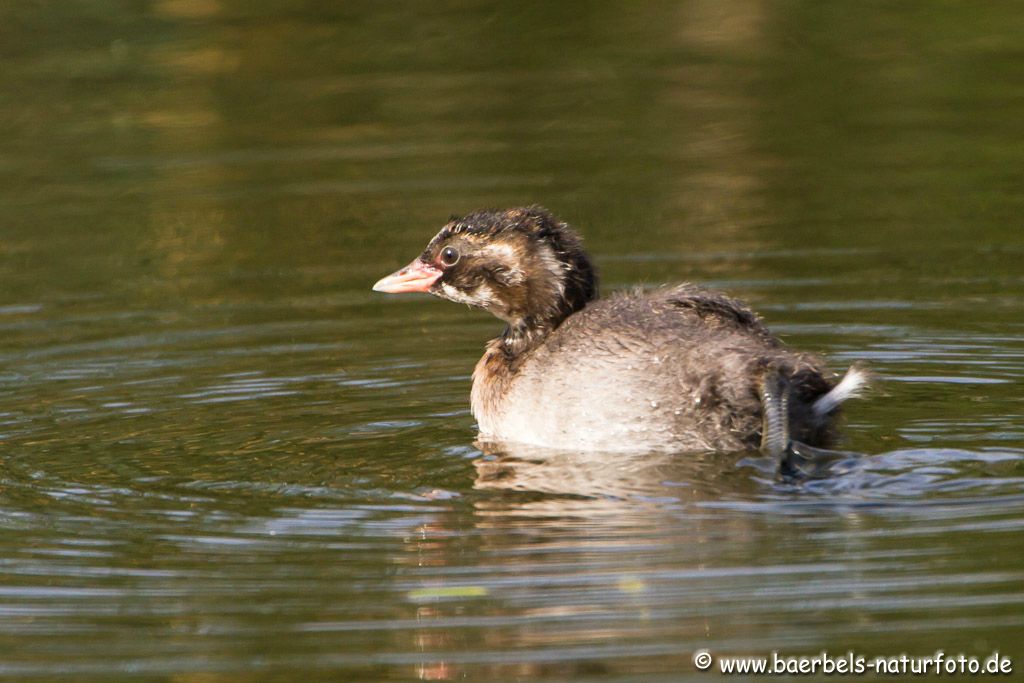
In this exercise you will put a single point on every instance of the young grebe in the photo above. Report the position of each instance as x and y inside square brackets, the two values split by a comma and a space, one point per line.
[679, 368]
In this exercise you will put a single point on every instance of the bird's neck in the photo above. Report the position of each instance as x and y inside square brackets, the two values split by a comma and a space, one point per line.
[524, 335]
[546, 309]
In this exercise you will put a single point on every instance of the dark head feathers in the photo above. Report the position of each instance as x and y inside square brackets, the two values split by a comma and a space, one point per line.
[561, 277]
[536, 223]
[532, 220]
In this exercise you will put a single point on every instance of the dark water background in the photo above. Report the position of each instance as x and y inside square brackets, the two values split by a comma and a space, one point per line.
[222, 458]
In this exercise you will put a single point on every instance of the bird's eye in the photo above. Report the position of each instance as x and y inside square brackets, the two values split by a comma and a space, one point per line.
[449, 256]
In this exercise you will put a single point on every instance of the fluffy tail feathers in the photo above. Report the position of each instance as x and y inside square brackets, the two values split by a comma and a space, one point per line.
[852, 385]
[794, 459]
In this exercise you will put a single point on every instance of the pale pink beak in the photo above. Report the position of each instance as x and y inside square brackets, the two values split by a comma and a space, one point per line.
[415, 277]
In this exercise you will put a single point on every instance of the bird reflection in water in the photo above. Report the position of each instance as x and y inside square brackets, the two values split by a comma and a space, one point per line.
[580, 549]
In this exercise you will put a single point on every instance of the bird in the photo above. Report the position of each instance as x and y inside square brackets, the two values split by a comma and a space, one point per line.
[671, 369]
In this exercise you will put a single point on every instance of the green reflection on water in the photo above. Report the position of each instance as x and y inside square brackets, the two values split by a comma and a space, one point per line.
[225, 457]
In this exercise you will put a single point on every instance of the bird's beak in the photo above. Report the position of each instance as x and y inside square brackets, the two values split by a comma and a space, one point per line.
[415, 277]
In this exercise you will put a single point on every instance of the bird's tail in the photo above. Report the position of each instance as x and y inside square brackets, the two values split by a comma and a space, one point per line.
[852, 385]
[775, 435]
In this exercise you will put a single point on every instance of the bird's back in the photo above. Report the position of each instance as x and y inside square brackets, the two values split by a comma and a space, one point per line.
[671, 369]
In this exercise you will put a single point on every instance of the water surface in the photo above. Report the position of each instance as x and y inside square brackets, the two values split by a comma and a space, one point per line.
[224, 458]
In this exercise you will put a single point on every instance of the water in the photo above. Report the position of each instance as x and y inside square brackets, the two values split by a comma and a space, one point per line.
[224, 458]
